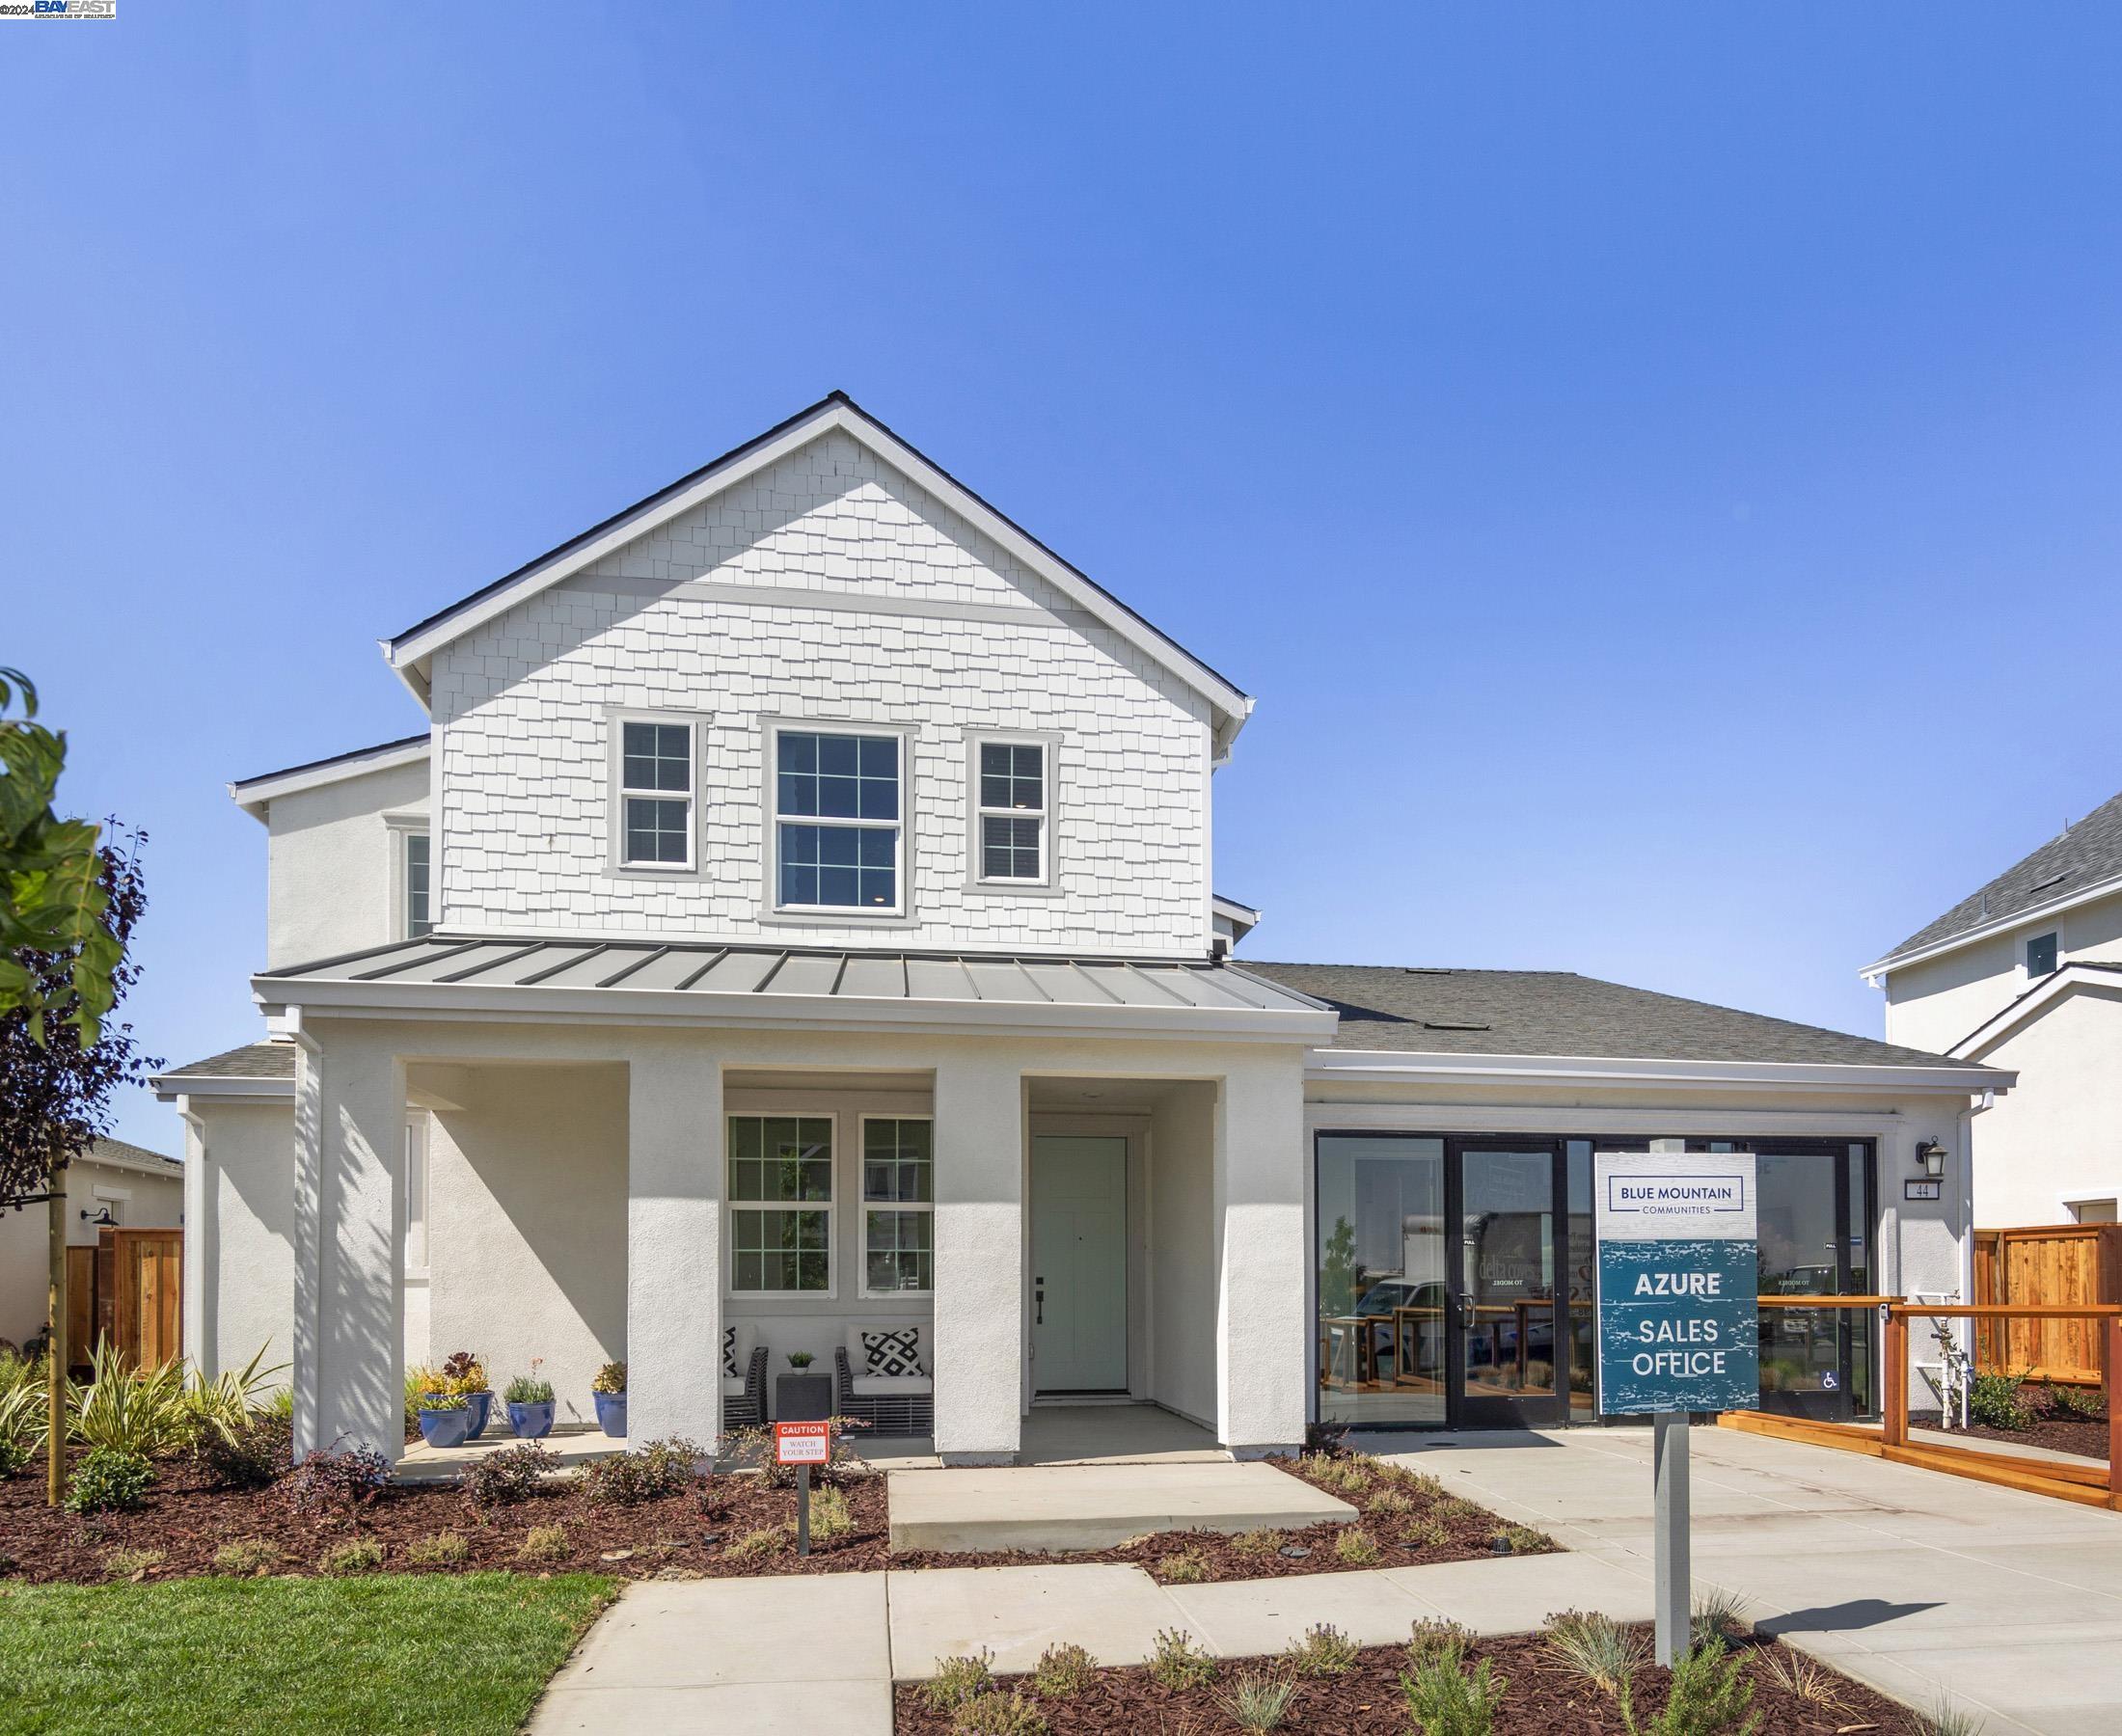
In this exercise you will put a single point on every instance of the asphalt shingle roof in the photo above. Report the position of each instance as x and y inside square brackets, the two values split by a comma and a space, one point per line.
[1558, 1013]
[2086, 854]
[253, 1061]
[126, 1151]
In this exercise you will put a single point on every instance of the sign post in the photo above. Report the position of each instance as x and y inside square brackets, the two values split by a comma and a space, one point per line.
[803, 1444]
[1679, 1272]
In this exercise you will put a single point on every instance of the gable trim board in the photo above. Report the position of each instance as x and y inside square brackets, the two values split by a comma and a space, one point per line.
[254, 794]
[2031, 916]
[2076, 976]
[409, 652]
[1398, 1067]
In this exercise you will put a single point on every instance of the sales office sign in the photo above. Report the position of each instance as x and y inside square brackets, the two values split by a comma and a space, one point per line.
[1678, 1274]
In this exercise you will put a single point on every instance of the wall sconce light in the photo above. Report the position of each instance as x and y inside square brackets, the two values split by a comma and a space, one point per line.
[1930, 1158]
[100, 1216]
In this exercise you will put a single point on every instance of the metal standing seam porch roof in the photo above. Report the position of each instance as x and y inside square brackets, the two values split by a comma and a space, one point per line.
[725, 978]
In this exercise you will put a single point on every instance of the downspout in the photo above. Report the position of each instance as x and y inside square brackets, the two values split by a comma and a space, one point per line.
[1974, 1106]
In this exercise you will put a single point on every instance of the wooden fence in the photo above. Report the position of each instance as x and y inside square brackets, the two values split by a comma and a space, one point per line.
[2046, 1266]
[129, 1288]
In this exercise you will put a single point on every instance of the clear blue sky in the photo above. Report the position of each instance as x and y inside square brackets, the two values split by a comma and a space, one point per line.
[1656, 465]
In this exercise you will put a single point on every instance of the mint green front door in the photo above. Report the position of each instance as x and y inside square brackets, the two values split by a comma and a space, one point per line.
[1080, 1263]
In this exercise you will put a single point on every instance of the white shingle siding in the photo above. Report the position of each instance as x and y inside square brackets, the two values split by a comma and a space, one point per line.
[524, 703]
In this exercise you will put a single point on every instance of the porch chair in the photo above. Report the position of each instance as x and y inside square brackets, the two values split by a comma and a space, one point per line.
[891, 1404]
[743, 1395]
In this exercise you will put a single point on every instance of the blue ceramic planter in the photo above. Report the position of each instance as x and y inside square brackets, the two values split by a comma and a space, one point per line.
[611, 1414]
[446, 1427]
[483, 1409]
[530, 1421]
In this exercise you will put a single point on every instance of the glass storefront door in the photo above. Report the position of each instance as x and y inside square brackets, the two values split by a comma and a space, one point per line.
[1503, 1295]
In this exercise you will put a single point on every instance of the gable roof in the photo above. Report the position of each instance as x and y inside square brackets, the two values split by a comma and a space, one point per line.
[1557, 1013]
[2082, 860]
[408, 652]
[122, 1154]
[2074, 977]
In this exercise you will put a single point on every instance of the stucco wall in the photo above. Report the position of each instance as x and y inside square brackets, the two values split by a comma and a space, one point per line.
[1936, 1004]
[2058, 1135]
[331, 881]
[526, 1222]
[827, 588]
[1181, 1182]
[246, 1249]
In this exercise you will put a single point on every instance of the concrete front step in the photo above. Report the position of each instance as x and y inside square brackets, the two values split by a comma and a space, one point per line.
[1095, 1506]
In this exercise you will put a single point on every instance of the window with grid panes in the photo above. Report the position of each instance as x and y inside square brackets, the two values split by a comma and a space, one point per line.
[898, 1206]
[781, 1202]
[1012, 798]
[655, 794]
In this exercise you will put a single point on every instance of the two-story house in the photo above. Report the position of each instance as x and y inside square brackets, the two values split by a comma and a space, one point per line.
[2026, 973]
[795, 927]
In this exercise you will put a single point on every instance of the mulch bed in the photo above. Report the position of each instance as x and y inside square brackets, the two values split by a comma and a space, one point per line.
[2058, 1429]
[1544, 1700]
[690, 1535]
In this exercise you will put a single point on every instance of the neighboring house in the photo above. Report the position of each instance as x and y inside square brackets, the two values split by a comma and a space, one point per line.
[2026, 974]
[796, 923]
[111, 1183]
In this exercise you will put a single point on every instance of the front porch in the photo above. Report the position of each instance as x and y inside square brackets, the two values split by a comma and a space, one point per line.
[1044, 1222]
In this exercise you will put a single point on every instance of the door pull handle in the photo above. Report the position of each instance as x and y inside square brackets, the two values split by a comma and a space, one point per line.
[1039, 1305]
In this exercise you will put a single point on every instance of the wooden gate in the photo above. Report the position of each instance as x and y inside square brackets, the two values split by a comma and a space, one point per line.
[129, 1288]
[2045, 1265]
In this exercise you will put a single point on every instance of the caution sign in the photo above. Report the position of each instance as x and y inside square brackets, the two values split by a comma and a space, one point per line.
[1680, 1271]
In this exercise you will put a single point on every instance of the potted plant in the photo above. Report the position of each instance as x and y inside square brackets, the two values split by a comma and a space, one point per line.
[444, 1419]
[608, 1392]
[463, 1372]
[529, 1402]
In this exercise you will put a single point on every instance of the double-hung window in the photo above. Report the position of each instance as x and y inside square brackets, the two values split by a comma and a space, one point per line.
[836, 808]
[1011, 815]
[418, 886]
[780, 1204]
[655, 794]
[898, 1206]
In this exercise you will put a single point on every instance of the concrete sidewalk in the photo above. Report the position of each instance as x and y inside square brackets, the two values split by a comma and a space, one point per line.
[1914, 1582]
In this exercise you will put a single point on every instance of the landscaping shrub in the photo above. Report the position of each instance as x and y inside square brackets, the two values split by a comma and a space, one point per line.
[1993, 1402]
[1324, 1651]
[1178, 1663]
[1258, 1545]
[1709, 1696]
[1429, 1641]
[528, 1389]
[831, 1516]
[1944, 1718]
[763, 1544]
[506, 1477]
[335, 1485]
[1523, 1539]
[1716, 1619]
[444, 1549]
[1188, 1567]
[544, 1543]
[132, 1563]
[142, 1412]
[1063, 1671]
[960, 1679]
[246, 1557]
[23, 1406]
[248, 1456]
[1595, 1647]
[997, 1714]
[2074, 1403]
[1390, 1501]
[361, 1555]
[648, 1473]
[1257, 1703]
[111, 1479]
[611, 1379]
[1800, 1676]
[13, 1456]
[1447, 1700]
[1356, 1547]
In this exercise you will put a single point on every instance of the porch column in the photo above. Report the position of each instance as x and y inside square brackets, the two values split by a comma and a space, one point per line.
[349, 1328]
[202, 1246]
[1261, 1256]
[674, 1242]
[979, 1361]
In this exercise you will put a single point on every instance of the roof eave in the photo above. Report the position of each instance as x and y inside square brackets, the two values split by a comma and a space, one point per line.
[1997, 924]
[1441, 1068]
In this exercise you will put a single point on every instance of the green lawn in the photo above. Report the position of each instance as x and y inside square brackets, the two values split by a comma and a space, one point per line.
[435, 1652]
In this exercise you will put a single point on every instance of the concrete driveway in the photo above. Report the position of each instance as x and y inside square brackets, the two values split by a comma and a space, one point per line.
[1917, 1582]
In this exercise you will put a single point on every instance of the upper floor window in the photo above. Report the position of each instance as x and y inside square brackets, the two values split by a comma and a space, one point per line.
[836, 807]
[1010, 817]
[2041, 956]
[419, 916]
[655, 794]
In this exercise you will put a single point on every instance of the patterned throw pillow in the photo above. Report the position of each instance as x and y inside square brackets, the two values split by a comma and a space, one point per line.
[729, 1354]
[890, 1353]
